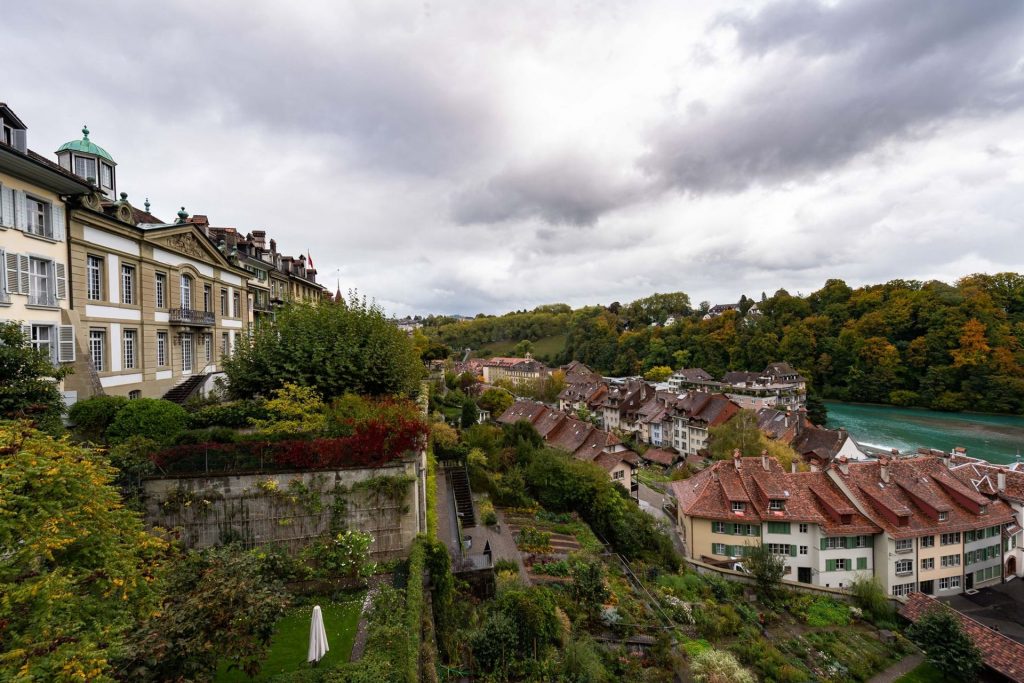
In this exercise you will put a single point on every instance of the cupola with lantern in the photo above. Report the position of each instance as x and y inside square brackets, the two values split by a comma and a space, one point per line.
[88, 160]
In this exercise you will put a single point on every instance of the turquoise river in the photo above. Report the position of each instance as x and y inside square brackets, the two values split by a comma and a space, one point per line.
[996, 438]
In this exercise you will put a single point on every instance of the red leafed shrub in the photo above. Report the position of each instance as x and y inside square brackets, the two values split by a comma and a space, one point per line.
[371, 439]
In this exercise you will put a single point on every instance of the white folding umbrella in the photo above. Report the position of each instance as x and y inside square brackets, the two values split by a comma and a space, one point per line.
[318, 646]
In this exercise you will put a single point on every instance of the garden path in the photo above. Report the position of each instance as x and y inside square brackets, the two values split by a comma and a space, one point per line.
[904, 666]
[447, 529]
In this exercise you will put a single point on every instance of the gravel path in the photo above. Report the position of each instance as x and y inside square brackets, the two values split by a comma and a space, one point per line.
[900, 668]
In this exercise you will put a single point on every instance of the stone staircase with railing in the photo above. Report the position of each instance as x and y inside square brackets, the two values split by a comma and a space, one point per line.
[458, 478]
[182, 391]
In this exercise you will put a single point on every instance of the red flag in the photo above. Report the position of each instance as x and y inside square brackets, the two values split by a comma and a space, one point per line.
[309, 259]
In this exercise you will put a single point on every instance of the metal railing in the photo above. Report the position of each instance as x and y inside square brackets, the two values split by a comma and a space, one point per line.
[191, 316]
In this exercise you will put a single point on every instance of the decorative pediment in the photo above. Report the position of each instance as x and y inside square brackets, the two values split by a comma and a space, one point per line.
[189, 244]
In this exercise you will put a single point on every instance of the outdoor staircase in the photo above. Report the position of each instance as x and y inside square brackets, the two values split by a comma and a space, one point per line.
[182, 391]
[459, 480]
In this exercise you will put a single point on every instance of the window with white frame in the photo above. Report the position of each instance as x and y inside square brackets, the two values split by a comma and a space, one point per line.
[134, 394]
[129, 340]
[39, 217]
[927, 541]
[161, 349]
[186, 292]
[40, 283]
[106, 176]
[97, 348]
[775, 504]
[927, 563]
[127, 284]
[943, 516]
[903, 589]
[834, 542]
[950, 538]
[904, 566]
[223, 301]
[44, 339]
[94, 278]
[85, 168]
[161, 290]
[948, 582]
[186, 353]
[618, 474]
[225, 346]
[718, 527]
[718, 549]
[207, 297]
[236, 305]
[950, 561]
[778, 548]
[803, 550]
[904, 545]
[842, 564]
[208, 343]
[738, 506]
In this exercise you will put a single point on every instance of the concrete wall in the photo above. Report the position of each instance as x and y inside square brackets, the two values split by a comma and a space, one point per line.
[267, 508]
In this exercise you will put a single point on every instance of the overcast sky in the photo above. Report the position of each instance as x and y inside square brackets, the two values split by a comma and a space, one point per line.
[486, 156]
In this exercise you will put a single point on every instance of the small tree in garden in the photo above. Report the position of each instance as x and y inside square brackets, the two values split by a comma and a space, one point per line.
[153, 418]
[346, 554]
[949, 648]
[767, 568]
[469, 413]
[718, 666]
[28, 389]
[588, 586]
[496, 401]
[293, 410]
[92, 416]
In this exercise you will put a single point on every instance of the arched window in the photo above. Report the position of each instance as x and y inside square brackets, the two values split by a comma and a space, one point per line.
[186, 292]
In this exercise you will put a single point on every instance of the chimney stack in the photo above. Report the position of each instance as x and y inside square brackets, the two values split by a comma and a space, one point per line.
[883, 469]
[764, 460]
[736, 458]
[844, 467]
[1001, 481]
[792, 467]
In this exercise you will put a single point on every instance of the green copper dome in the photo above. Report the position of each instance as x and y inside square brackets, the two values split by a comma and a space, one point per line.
[85, 145]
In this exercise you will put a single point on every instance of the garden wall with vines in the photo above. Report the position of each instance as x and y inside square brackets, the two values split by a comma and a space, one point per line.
[289, 509]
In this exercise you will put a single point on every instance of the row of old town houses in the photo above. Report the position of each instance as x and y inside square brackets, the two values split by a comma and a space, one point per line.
[139, 306]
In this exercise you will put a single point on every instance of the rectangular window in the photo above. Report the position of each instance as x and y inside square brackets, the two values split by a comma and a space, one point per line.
[927, 541]
[949, 582]
[778, 548]
[834, 543]
[161, 290]
[904, 545]
[40, 292]
[85, 168]
[842, 565]
[618, 474]
[44, 339]
[207, 297]
[223, 302]
[236, 305]
[718, 549]
[927, 563]
[803, 550]
[97, 348]
[161, 349]
[738, 506]
[862, 541]
[225, 349]
[208, 343]
[951, 538]
[716, 527]
[94, 278]
[129, 339]
[950, 561]
[776, 505]
[39, 217]
[186, 353]
[803, 528]
[106, 176]
[903, 589]
[127, 284]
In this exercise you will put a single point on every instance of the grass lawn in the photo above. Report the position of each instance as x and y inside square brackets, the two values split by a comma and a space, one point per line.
[290, 644]
[924, 673]
[545, 346]
[653, 478]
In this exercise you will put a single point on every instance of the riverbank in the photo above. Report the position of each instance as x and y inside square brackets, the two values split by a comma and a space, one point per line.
[996, 438]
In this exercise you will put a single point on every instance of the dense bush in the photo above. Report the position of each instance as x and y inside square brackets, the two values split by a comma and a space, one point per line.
[869, 595]
[949, 648]
[153, 418]
[562, 484]
[236, 414]
[717, 666]
[91, 417]
[208, 435]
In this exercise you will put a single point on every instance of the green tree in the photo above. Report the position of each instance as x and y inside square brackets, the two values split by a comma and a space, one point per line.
[949, 648]
[740, 432]
[588, 586]
[91, 417]
[659, 373]
[153, 418]
[294, 410]
[522, 348]
[332, 348]
[767, 568]
[78, 571]
[29, 389]
[469, 413]
[221, 605]
[496, 401]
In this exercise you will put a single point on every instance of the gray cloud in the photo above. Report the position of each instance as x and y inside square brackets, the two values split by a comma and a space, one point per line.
[840, 80]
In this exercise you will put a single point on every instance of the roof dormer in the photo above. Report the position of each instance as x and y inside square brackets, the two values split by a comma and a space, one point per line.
[88, 160]
[13, 132]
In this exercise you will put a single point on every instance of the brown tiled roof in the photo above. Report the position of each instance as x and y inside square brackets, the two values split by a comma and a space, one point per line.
[777, 424]
[694, 375]
[609, 461]
[578, 373]
[918, 487]
[818, 442]
[530, 411]
[1000, 653]
[661, 457]
[740, 377]
[984, 478]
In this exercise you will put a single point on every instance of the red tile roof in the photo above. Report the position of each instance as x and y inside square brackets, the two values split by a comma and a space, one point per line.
[661, 457]
[1000, 653]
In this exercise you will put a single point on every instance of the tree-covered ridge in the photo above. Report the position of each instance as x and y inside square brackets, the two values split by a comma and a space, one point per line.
[931, 344]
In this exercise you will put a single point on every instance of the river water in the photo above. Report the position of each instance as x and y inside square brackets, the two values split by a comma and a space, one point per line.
[996, 438]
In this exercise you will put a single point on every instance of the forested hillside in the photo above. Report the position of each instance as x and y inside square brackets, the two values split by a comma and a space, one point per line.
[948, 347]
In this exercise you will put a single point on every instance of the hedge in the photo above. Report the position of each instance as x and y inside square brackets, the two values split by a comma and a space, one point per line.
[414, 611]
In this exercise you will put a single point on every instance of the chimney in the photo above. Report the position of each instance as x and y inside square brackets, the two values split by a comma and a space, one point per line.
[844, 467]
[814, 467]
[764, 460]
[883, 469]
[736, 458]
[259, 238]
[1001, 481]
[792, 467]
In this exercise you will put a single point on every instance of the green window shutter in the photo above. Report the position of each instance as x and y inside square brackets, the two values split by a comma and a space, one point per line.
[845, 542]
[862, 563]
[830, 565]
[824, 543]
[792, 551]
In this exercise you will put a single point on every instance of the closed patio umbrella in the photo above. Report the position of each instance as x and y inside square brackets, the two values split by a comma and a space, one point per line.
[318, 646]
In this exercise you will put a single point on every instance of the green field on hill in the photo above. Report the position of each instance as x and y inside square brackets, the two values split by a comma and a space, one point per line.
[545, 347]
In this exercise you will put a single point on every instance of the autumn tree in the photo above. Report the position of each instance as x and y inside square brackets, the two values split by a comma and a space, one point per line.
[659, 373]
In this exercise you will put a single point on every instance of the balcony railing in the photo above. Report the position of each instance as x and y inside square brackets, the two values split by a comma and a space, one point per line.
[189, 316]
[42, 299]
[261, 306]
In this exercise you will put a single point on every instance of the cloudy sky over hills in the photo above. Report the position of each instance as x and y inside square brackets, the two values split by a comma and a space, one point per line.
[486, 156]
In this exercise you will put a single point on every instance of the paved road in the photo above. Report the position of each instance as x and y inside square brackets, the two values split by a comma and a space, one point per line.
[900, 668]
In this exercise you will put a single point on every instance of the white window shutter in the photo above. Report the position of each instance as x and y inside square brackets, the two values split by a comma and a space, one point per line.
[20, 210]
[11, 266]
[21, 141]
[24, 284]
[61, 280]
[57, 221]
[66, 345]
[27, 331]
[7, 206]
